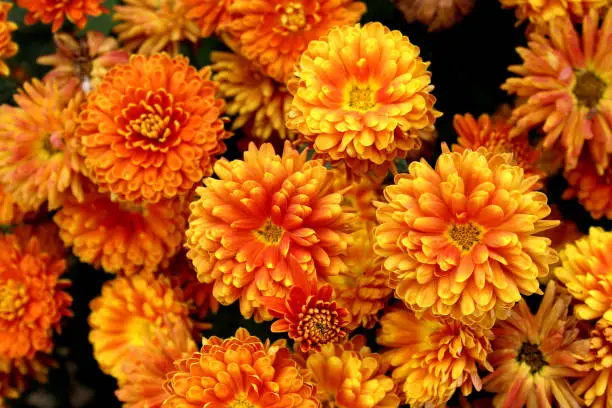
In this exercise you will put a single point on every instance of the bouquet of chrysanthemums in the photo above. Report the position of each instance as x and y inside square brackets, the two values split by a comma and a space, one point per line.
[268, 204]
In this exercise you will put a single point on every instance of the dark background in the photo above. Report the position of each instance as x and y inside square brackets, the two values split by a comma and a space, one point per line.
[469, 63]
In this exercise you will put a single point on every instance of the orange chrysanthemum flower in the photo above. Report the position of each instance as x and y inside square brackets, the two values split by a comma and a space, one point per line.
[147, 367]
[274, 33]
[259, 103]
[122, 237]
[87, 58]
[593, 191]
[151, 129]
[239, 372]
[460, 239]
[55, 11]
[32, 298]
[16, 375]
[361, 96]
[349, 375]
[595, 387]
[266, 219]
[38, 160]
[130, 310]
[494, 135]
[436, 14]
[148, 26]
[433, 357]
[210, 15]
[8, 48]
[534, 356]
[566, 80]
[10, 212]
[542, 11]
[585, 270]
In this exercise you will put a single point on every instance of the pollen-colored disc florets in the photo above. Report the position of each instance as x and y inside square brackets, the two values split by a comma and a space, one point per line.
[55, 11]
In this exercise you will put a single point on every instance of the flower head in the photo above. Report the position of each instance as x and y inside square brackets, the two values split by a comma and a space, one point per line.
[460, 239]
[32, 298]
[17, 373]
[349, 375]
[129, 313]
[274, 33]
[533, 356]
[239, 372]
[264, 220]
[259, 103]
[148, 26]
[38, 161]
[436, 14]
[565, 80]
[151, 129]
[55, 11]
[433, 357]
[210, 15]
[87, 58]
[8, 48]
[542, 11]
[361, 96]
[122, 237]
[585, 271]
[593, 190]
[595, 387]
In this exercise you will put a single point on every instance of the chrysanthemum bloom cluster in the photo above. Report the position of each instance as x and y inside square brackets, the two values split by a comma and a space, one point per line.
[534, 356]
[87, 58]
[148, 26]
[210, 15]
[361, 96]
[432, 357]
[259, 103]
[461, 239]
[16, 374]
[129, 313]
[436, 14]
[38, 162]
[265, 219]
[565, 78]
[151, 129]
[239, 372]
[147, 367]
[274, 33]
[32, 298]
[585, 270]
[349, 375]
[8, 48]
[542, 11]
[593, 191]
[56, 11]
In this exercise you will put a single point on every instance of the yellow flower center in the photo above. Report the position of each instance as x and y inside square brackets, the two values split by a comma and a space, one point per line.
[241, 403]
[152, 126]
[531, 355]
[13, 298]
[270, 233]
[589, 89]
[361, 98]
[139, 328]
[292, 16]
[464, 236]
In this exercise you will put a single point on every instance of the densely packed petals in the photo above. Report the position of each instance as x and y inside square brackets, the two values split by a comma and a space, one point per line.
[56, 11]
[432, 357]
[595, 387]
[128, 314]
[436, 14]
[38, 160]
[535, 355]
[10, 212]
[240, 372]
[151, 129]
[461, 239]
[17, 374]
[361, 96]
[274, 33]
[592, 190]
[565, 79]
[47, 235]
[542, 11]
[259, 103]
[32, 298]
[8, 48]
[122, 237]
[264, 220]
[210, 15]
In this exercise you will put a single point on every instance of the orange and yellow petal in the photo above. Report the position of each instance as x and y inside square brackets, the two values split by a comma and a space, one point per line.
[592, 190]
[8, 48]
[10, 212]
[595, 387]
[361, 96]
[436, 14]
[56, 11]
[542, 11]
[210, 15]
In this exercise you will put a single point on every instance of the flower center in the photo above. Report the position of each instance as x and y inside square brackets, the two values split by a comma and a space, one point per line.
[361, 98]
[292, 16]
[152, 126]
[464, 236]
[13, 298]
[241, 403]
[531, 355]
[270, 233]
[319, 325]
[589, 89]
